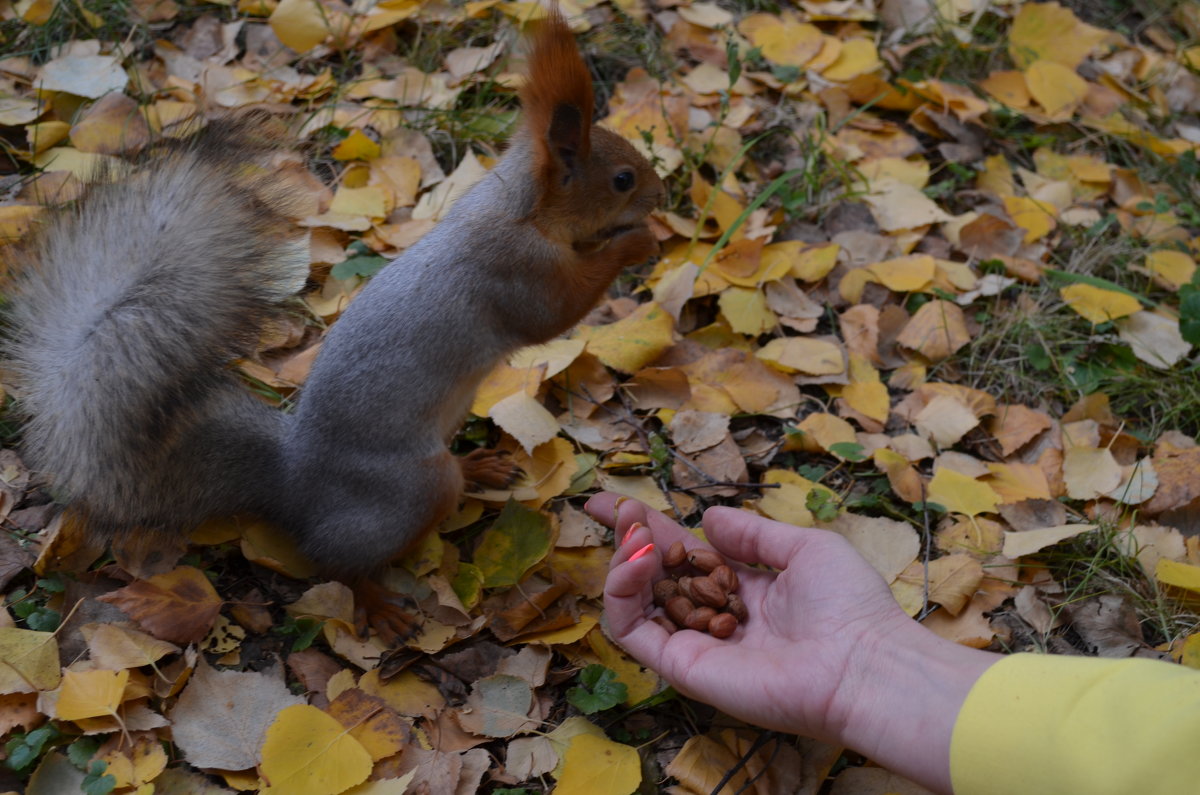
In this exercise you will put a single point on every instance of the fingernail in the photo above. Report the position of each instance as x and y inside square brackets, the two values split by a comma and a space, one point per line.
[642, 552]
[629, 532]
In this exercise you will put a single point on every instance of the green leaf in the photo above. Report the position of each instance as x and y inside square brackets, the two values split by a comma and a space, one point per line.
[81, 751]
[97, 782]
[849, 451]
[1038, 358]
[24, 749]
[1189, 313]
[822, 504]
[364, 265]
[43, 619]
[520, 539]
[598, 690]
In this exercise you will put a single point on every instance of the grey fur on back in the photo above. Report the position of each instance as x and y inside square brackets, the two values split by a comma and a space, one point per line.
[133, 304]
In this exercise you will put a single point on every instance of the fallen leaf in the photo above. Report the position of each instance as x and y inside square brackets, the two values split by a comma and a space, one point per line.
[958, 493]
[1018, 544]
[1097, 305]
[307, 752]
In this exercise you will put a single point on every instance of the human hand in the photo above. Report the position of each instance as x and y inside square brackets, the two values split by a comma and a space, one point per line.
[792, 664]
[826, 652]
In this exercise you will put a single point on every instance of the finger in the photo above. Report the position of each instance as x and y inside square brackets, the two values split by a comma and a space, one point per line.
[751, 538]
[620, 513]
[628, 601]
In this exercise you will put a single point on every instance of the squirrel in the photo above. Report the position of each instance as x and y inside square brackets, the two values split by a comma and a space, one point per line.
[138, 297]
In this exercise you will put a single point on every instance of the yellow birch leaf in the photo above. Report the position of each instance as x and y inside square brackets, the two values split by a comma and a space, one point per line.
[1057, 88]
[406, 693]
[1008, 86]
[905, 274]
[550, 468]
[937, 330]
[299, 24]
[851, 285]
[857, 57]
[960, 493]
[827, 430]
[869, 398]
[598, 766]
[137, 765]
[784, 39]
[1016, 482]
[565, 636]
[902, 475]
[1018, 544]
[953, 580]
[307, 752]
[1049, 31]
[746, 310]
[1181, 575]
[910, 172]
[1172, 268]
[811, 263]
[503, 381]
[28, 661]
[803, 355]
[1035, 217]
[996, 177]
[786, 504]
[90, 694]
[632, 342]
[525, 419]
[356, 146]
[370, 201]
[1097, 305]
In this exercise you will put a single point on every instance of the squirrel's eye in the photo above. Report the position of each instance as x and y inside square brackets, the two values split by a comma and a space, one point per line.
[623, 181]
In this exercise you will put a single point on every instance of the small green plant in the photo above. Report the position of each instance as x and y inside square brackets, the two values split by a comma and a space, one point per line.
[303, 630]
[24, 749]
[31, 608]
[362, 262]
[822, 504]
[1189, 309]
[598, 690]
[98, 781]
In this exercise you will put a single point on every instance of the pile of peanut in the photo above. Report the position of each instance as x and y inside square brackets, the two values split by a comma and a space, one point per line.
[707, 601]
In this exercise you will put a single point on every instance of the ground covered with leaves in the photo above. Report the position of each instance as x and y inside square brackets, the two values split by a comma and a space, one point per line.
[927, 281]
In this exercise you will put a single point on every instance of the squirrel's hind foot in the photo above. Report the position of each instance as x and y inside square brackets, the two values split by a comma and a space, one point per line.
[486, 468]
[386, 612]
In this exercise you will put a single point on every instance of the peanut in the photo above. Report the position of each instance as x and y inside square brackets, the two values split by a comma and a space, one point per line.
[707, 592]
[705, 559]
[674, 556]
[699, 618]
[678, 608]
[664, 590]
[722, 625]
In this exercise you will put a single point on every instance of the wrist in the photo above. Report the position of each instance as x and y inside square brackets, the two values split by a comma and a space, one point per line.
[901, 699]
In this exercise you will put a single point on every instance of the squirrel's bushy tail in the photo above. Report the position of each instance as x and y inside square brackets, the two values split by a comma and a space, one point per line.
[135, 302]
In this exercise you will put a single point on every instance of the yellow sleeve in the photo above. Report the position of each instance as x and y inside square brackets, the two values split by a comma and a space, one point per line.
[1037, 724]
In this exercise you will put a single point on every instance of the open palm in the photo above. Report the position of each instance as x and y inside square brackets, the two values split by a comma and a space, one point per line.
[792, 665]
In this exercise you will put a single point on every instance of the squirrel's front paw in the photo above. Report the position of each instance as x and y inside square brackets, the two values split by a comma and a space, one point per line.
[633, 245]
[384, 611]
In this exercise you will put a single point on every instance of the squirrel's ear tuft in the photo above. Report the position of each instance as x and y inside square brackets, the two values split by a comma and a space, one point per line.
[557, 100]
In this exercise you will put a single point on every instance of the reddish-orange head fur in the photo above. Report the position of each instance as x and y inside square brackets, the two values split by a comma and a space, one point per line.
[557, 98]
[592, 185]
